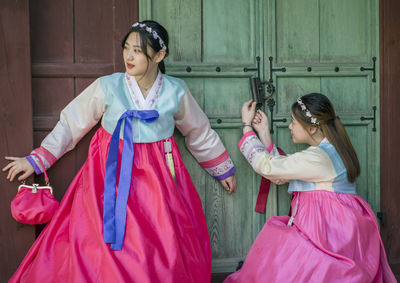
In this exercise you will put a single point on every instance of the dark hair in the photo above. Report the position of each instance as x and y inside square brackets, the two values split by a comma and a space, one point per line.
[147, 39]
[322, 109]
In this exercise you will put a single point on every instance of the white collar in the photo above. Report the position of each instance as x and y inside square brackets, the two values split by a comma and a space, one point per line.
[142, 103]
[324, 140]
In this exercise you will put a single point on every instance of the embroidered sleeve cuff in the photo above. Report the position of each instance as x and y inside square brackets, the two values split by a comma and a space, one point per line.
[249, 133]
[46, 156]
[251, 147]
[220, 167]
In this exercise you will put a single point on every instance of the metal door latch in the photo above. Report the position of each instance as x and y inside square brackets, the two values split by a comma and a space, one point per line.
[362, 118]
[362, 69]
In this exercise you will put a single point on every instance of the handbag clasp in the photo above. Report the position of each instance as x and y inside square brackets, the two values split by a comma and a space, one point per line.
[34, 189]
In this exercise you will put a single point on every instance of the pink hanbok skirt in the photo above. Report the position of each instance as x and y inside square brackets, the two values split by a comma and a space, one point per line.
[166, 238]
[334, 238]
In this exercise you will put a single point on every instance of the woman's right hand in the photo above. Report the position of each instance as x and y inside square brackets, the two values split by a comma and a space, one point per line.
[248, 111]
[260, 123]
[16, 166]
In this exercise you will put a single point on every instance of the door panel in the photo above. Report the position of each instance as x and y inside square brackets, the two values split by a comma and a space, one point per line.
[349, 94]
[323, 31]
[330, 35]
[345, 31]
[297, 23]
[222, 33]
[51, 31]
[185, 43]
[221, 103]
[94, 33]
[70, 49]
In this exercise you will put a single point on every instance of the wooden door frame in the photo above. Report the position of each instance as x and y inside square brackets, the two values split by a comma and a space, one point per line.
[390, 135]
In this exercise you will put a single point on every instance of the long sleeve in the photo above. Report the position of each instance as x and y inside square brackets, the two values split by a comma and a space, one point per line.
[202, 141]
[311, 165]
[76, 120]
[273, 150]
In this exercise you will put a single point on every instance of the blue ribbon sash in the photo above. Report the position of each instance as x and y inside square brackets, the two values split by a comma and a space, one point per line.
[114, 214]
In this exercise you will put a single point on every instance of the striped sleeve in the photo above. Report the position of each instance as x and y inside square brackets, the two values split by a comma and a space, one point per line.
[312, 164]
[76, 119]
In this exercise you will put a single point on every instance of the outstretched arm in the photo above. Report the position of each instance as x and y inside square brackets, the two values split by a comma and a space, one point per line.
[204, 143]
[76, 119]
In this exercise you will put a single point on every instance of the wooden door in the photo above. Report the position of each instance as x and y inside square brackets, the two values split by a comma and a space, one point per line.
[321, 43]
[69, 44]
[72, 44]
[211, 42]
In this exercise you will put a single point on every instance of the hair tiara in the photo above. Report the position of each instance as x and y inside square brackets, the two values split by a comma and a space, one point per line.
[308, 113]
[152, 32]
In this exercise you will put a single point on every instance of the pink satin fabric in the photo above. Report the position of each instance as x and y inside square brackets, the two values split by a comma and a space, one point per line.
[334, 238]
[166, 237]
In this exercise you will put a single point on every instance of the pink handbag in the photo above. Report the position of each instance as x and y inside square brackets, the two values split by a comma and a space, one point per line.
[34, 204]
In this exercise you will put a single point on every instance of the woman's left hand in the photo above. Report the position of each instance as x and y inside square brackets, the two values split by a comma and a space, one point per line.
[229, 184]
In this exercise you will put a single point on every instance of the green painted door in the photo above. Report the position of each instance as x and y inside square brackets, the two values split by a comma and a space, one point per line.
[211, 44]
[322, 44]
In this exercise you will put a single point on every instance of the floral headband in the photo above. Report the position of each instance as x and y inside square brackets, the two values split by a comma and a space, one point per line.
[308, 113]
[153, 32]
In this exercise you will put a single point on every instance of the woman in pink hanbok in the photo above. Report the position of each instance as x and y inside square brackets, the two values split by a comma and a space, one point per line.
[132, 213]
[332, 234]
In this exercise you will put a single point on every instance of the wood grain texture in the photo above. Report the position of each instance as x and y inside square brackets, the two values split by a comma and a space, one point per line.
[15, 126]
